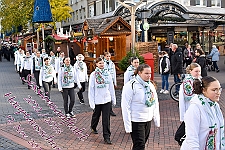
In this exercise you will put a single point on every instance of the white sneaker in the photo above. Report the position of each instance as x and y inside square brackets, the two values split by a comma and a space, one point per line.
[67, 115]
[166, 92]
[72, 115]
[161, 91]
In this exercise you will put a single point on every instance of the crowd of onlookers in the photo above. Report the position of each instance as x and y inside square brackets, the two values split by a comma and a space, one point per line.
[174, 59]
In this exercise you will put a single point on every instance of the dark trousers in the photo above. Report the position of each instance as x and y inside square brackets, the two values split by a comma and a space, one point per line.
[47, 87]
[36, 76]
[140, 133]
[176, 80]
[105, 109]
[80, 93]
[215, 65]
[68, 92]
[25, 73]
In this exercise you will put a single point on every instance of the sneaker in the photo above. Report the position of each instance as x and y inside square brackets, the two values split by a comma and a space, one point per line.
[67, 115]
[161, 91]
[81, 101]
[218, 70]
[72, 115]
[166, 92]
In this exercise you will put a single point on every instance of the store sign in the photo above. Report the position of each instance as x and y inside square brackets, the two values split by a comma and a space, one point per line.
[146, 26]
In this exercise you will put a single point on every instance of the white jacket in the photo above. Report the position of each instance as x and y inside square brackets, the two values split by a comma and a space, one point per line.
[82, 75]
[47, 75]
[112, 70]
[100, 95]
[27, 63]
[197, 126]
[134, 110]
[70, 85]
[128, 75]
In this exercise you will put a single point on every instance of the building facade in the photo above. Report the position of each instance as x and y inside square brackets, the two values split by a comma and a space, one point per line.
[177, 21]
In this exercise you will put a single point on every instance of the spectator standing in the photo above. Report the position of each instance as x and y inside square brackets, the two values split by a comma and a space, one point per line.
[201, 60]
[176, 65]
[188, 55]
[215, 57]
[58, 51]
[164, 70]
[71, 55]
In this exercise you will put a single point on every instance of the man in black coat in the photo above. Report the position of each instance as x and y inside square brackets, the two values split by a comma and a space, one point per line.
[72, 56]
[176, 65]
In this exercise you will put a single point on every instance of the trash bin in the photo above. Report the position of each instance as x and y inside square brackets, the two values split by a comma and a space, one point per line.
[148, 57]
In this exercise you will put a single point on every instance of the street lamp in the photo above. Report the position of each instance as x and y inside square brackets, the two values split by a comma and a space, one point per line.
[132, 10]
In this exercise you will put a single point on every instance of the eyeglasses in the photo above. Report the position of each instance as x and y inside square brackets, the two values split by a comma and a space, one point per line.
[217, 90]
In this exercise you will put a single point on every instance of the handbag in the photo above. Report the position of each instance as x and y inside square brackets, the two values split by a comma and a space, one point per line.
[180, 134]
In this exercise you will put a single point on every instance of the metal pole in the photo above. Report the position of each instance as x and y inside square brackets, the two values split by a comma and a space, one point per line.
[132, 10]
[43, 36]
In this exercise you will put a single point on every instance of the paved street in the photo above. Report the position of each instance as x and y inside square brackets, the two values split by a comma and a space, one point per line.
[48, 131]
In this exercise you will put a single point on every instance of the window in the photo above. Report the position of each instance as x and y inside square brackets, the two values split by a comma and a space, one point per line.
[77, 15]
[197, 2]
[201, 2]
[216, 3]
[80, 13]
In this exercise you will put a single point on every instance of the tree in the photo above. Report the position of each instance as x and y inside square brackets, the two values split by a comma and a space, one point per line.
[15, 13]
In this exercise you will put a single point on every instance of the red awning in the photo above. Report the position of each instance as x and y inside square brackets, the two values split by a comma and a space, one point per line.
[59, 38]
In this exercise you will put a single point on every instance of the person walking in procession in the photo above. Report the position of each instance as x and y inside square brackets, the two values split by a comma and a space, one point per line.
[81, 71]
[101, 93]
[140, 106]
[66, 80]
[110, 66]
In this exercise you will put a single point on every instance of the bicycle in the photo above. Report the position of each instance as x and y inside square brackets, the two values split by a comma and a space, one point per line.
[173, 93]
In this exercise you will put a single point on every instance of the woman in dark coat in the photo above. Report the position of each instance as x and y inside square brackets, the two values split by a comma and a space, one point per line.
[201, 60]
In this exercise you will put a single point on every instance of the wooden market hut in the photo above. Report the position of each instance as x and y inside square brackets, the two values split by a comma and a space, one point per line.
[105, 35]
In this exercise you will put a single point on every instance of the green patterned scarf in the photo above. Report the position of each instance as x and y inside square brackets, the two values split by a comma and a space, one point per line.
[149, 96]
[211, 139]
[102, 77]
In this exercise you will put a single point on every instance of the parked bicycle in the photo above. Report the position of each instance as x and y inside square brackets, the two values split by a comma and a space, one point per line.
[173, 93]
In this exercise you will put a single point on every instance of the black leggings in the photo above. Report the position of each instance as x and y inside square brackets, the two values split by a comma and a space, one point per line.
[68, 92]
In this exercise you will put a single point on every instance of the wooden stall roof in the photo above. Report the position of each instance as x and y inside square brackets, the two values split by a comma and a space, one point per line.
[108, 26]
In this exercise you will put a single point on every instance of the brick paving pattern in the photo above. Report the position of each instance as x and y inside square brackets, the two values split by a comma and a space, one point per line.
[20, 135]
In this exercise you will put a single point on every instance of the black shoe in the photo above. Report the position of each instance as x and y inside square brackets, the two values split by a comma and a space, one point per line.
[53, 86]
[28, 87]
[218, 70]
[112, 113]
[82, 101]
[107, 141]
[94, 131]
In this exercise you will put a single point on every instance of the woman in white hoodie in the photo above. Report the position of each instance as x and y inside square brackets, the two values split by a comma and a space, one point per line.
[100, 93]
[81, 72]
[66, 79]
[46, 76]
[140, 106]
[129, 73]
[204, 122]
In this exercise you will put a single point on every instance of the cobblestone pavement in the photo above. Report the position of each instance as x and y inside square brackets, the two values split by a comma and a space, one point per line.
[44, 130]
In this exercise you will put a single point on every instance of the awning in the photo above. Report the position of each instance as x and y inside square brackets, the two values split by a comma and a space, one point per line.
[59, 38]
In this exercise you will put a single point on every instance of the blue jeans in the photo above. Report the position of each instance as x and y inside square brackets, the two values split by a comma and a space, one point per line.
[165, 81]
[176, 80]
[215, 65]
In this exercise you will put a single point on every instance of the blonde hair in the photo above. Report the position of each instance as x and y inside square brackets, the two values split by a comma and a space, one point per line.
[191, 67]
